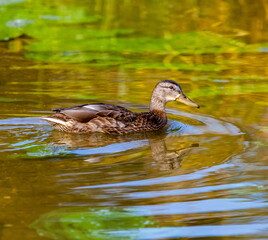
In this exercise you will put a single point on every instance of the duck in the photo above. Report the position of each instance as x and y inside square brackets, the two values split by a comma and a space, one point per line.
[113, 119]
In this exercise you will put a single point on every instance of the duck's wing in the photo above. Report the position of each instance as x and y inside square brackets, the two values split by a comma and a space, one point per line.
[85, 113]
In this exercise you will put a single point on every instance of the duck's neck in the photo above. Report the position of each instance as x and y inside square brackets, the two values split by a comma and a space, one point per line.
[157, 103]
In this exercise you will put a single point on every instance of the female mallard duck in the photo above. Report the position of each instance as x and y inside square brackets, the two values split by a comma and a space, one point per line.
[108, 118]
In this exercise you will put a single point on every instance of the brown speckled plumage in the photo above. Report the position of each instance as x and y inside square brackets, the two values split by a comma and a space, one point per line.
[108, 118]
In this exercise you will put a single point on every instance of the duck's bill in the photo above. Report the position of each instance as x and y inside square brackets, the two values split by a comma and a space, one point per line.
[187, 101]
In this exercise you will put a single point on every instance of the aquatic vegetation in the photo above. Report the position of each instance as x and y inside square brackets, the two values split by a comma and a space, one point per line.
[25, 17]
[90, 223]
[67, 34]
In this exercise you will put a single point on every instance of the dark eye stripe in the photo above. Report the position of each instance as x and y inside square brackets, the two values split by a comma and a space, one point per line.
[170, 87]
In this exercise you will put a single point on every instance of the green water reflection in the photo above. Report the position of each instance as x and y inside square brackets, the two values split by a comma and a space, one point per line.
[204, 175]
[90, 223]
[49, 24]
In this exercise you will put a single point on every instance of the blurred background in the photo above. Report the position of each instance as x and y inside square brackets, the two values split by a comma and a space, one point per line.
[203, 176]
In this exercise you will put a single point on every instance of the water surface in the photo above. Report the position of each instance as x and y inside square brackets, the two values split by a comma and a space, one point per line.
[202, 176]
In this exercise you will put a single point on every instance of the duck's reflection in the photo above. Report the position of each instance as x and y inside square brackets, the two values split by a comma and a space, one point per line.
[95, 147]
[96, 140]
[169, 159]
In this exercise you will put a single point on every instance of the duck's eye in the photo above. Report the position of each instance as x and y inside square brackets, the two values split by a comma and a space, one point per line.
[170, 87]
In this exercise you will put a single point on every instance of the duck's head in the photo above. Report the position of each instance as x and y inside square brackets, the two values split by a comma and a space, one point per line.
[167, 91]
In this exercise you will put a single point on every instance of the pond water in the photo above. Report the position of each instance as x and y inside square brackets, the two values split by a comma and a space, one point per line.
[203, 176]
